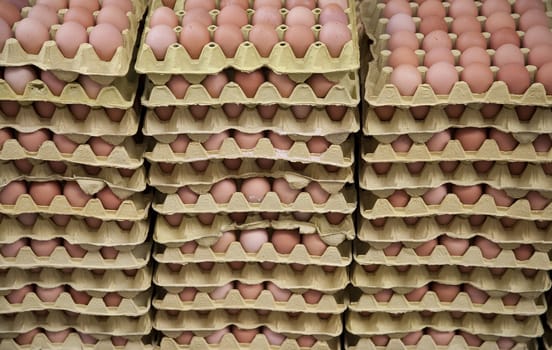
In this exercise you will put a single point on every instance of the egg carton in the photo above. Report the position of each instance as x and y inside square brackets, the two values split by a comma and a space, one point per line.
[122, 187]
[247, 58]
[342, 202]
[372, 151]
[86, 61]
[229, 342]
[202, 182]
[500, 326]
[398, 303]
[345, 93]
[336, 155]
[202, 324]
[81, 279]
[97, 123]
[547, 340]
[437, 120]
[533, 177]
[313, 277]
[331, 304]
[191, 229]
[118, 94]
[76, 232]
[372, 207]
[372, 253]
[396, 230]
[333, 256]
[128, 155]
[353, 342]
[318, 123]
[133, 258]
[134, 307]
[73, 341]
[387, 277]
[101, 327]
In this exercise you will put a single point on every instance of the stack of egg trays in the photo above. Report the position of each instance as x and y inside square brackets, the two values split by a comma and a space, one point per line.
[130, 272]
[375, 188]
[168, 239]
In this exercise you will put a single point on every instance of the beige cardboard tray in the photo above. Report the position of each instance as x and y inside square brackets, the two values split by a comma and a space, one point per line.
[395, 230]
[81, 279]
[337, 155]
[73, 341]
[191, 229]
[513, 281]
[133, 258]
[119, 94]
[136, 306]
[281, 59]
[229, 342]
[372, 207]
[333, 256]
[128, 155]
[77, 231]
[501, 325]
[373, 151]
[342, 202]
[345, 93]
[203, 324]
[184, 174]
[372, 253]
[98, 326]
[62, 122]
[333, 304]
[86, 61]
[313, 277]
[318, 123]
[437, 120]
[533, 177]
[398, 303]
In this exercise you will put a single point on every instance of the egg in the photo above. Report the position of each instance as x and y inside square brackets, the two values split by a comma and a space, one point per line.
[264, 37]
[471, 39]
[31, 34]
[492, 6]
[125, 5]
[399, 198]
[44, 14]
[504, 36]
[392, 7]
[216, 337]
[544, 73]
[335, 35]
[454, 246]
[540, 55]
[223, 190]
[249, 82]
[253, 240]
[269, 16]
[446, 293]
[43, 193]
[229, 37]
[272, 337]
[522, 6]
[440, 337]
[441, 76]
[44, 247]
[478, 76]
[384, 295]
[400, 22]
[163, 15]
[249, 291]
[536, 200]
[12, 191]
[474, 55]
[402, 55]
[535, 36]
[406, 78]
[515, 76]
[465, 23]
[194, 35]
[79, 14]
[254, 189]
[439, 54]
[285, 192]
[205, 4]
[109, 200]
[244, 335]
[467, 194]
[317, 193]
[17, 296]
[74, 250]
[90, 6]
[49, 295]
[279, 294]
[285, 241]
[403, 38]
[334, 13]
[159, 38]
[470, 138]
[299, 38]
[27, 337]
[57, 336]
[431, 23]
[10, 13]
[314, 244]
[417, 294]
[19, 77]
[489, 249]
[312, 296]
[412, 338]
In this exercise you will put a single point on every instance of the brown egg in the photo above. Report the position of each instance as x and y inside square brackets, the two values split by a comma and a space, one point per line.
[273, 338]
[489, 249]
[412, 338]
[462, 8]
[224, 241]
[384, 295]
[524, 252]
[17, 296]
[317, 193]
[109, 200]
[441, 76]
[31, 34]
[187, 196]
[269, 16]
[334, 13]
[335, 35]
[105, 38]
[425, 249]
[27, 337]
[504, 36]
[314, 244]
[79, 297]
[431, 23]
[69, 37]
[44, 247]
[474, 55]
[223, 190]
[400, 22]
[438, 54]
[244, 335]
[532, 17]
[49, 295]
[515, 76]
[10, 13]
[406, 78]
[499, 20]
[402, 55]
[282, 82]
[43, 193]
[320, 85]
[79, 14]
[478, 76]
[539, 55]
[536, 200]
[523, 5]
[74, 250]
[285, 192]
[299, 38]
[417, 294]
[446, 293]
[464, 24]
[205, 4]
[194, 36]
[508, 53]
[12, 191]
[254, 189]
[249, 291]
[492, 6]
[399, 198]
[264, 37]
[403, 39]
[125, 5]
[44, 14]
[252, 240]
[228, 37]
[18, 78]
[505, 141]
[470, 138]
[471, 39]
[544, 73]
[467, 194]
[534, 36]
[440, 337]
[249, 82]
[306, 341]
[278, 293]
[112, 299]
[159, 39]
[221, 292]
[162, 15]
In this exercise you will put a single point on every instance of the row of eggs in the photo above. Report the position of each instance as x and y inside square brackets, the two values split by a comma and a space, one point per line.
[245, 4]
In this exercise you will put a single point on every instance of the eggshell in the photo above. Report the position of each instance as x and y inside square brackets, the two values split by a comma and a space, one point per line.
[508, 53]
[402, 55]
[17, 296]
[245, 335]
[199, 15]
[406, 78]
[299, 38]
[335, 35]
[188, 294]
[425, 249]
[11, 192]
[188, 247]
[216, 337]
[125, 5]
[489, 249]
[399, 198]
[470, 138]
[184, 338]
[505, 343]
[254, 189]
[194, 36]
[162, 15]
[159, 39]
[79, 297]
[31, 34]
[431, 23]
[105, 38]
[109, 253]
[438, 54]
[264, 37]
[478, 76]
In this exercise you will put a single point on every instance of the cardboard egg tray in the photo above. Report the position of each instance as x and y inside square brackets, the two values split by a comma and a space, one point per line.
[86, 61]
[373, 207]
[372, 253]
[331, 304]
[431, 176]
[123, 187]
[333, 256]
[313, 277]
[547, 339]
[437, 120]
[100, 327]
[399, 304]
[281, 59]
[62, 122]
[318, 123]
[500, 326]
[396, 230]
[73, 341]
[374, 151]
[513, 281]
[119, 94]
[342, 202]
[203, 324]
[337, 155]
[201, 182]
[427, 343]
[76, 232]
[137, 306]
[127, 155]
[345, 93]
[133, 208]
[229, 342]
[133, 258]
[81, 279]
[191, 229]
